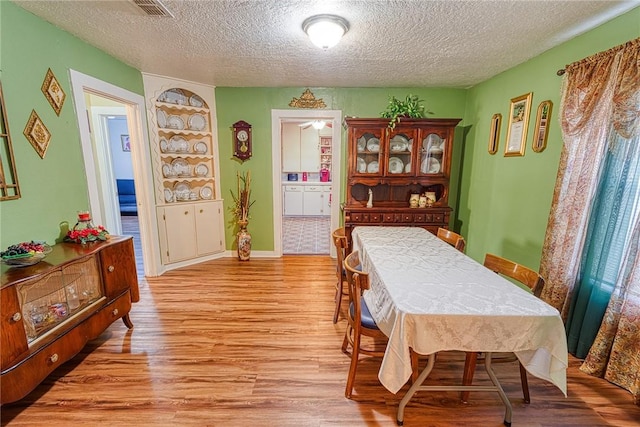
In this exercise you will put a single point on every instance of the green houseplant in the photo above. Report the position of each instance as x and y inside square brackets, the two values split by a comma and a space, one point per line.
[396, 109]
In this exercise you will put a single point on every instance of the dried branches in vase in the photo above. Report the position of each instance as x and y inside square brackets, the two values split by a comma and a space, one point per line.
[242, 203]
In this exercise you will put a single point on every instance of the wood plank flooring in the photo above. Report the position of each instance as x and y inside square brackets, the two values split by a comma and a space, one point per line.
[226, 343]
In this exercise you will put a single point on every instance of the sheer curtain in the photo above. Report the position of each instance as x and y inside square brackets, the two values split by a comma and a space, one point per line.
[590, 254]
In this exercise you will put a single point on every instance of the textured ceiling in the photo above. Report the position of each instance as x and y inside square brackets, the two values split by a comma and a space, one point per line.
[392, 43]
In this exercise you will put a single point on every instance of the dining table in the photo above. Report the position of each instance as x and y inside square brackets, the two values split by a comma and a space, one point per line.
[428, 297]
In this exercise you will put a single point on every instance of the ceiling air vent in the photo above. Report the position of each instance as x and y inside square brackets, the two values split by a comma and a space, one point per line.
[153, 8]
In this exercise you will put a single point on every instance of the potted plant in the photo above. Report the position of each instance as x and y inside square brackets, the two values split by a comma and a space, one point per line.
[396, 109]
[241, 204]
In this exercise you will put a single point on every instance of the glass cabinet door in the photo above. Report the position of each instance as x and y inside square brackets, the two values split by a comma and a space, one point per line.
[399, 149]
[368, 152]
[432, 154]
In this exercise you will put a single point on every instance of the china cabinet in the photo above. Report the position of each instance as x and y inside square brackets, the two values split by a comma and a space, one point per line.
[50, 310]
[414, 158]
[186, 167]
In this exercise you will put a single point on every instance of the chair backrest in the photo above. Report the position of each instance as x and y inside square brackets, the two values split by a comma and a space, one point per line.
[340, 242]
[358, 282]
[522, 274]
[454, 239]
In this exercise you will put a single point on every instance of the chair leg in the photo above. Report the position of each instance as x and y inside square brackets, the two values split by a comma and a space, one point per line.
[355, 351]
[525, 384]
[345, 340]
[338, 299]
[469, 370]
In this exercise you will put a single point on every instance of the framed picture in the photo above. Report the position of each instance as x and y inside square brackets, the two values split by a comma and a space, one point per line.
[53, 92]
[518, 124]
[542, 126]
[494, 136]
[126, 144]
[37, 134]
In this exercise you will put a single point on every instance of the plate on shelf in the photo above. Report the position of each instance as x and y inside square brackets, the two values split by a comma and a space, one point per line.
[407, 168]
[206, 192]
[174, 96]
[167, 171]
[162, 118]
[175, 122]
[430, 165]
[180, 167]
[180, 145]
[373, 145]
[373, 167]
[200, 148]
[168, 195]
[197, 121]
[201, 169]
[182, 190]
[164, 145]
[395, 165]
[397, 146]
[362, 143]
[437, 150]
[432, 140]
[362, 165]
[196, 101]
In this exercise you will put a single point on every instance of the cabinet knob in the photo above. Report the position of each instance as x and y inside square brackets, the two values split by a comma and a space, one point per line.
[201, 210]
[16, 317]
[111, 268]
[53, 358]
[115, 312]
[186, 212]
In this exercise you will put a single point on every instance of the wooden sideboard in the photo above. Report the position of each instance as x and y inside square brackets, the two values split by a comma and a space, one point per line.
[52, 309]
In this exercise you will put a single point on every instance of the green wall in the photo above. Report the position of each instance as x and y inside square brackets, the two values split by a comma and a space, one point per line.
[254, 106]
[54, 188]
[505, 201]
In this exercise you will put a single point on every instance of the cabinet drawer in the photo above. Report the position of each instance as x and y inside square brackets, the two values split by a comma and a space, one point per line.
[406, 217]
[297, 188]
[438, 217]
[390, 217]
[313, 189]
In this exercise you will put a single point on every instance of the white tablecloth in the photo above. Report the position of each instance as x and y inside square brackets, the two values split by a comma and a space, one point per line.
[430, 297]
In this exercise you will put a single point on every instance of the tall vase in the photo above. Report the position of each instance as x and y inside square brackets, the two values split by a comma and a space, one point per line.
[244, 241]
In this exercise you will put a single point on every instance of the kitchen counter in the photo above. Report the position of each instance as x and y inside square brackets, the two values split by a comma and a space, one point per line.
[306, 183]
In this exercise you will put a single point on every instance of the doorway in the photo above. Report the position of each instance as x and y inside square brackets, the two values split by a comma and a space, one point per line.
[278, 118]
[91, 96]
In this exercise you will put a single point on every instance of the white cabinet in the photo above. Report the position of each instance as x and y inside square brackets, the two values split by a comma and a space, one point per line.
[300, 148]
[290, 147]
[293, 200]
[326, 194]
[184, 155]
[309, 150]
[188, 231]
[312, 205]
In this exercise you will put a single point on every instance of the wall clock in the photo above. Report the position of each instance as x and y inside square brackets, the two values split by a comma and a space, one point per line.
[242, 140]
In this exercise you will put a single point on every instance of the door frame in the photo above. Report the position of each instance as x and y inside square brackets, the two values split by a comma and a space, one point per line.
[95, 160]
[277, 117]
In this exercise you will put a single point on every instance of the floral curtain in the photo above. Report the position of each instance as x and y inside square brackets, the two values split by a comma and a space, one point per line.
[600, 105]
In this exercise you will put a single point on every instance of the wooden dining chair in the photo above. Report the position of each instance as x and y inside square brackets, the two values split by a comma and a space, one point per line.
[454, 239]
[535, 283]
[340, 242]
[360, 322]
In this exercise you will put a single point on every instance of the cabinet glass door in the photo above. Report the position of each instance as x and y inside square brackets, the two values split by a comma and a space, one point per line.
[368, 151]
[399, 149]
[432, 154]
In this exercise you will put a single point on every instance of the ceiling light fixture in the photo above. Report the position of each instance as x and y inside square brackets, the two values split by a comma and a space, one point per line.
[325, 31]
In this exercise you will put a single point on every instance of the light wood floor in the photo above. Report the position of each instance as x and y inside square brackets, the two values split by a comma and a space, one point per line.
[227, 343]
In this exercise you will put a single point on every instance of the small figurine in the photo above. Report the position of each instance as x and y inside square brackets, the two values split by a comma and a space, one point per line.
[370, 201]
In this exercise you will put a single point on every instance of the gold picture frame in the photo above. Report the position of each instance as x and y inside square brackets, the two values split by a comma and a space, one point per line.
[518, 124]
[542, 126]
[53, 92]
[37, 134]
[494, 136]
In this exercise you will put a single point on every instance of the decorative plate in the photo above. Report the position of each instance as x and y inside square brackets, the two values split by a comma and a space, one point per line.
[182, 190]
[362, 165]
[395, 165]
[206, 192]
[430, 165]
[162, 118]
[168, 195]
[180, 144]
[167, 171]
[362, 143]
[373, 145]
[432, 140]
[175, 122]
[180, 167]
[201, 169]
[435, 150]
[174, 96]
[197, 122]
[196, 101]
[373, 167]
[200, 148]
[164, 145]
[26, 259]
[396, 146]
[407, 168]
